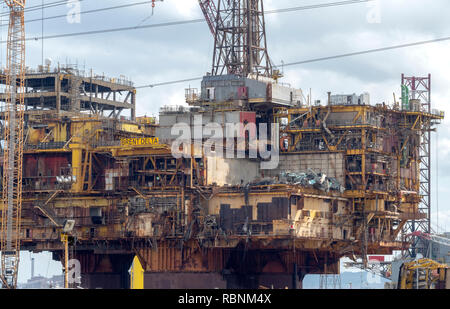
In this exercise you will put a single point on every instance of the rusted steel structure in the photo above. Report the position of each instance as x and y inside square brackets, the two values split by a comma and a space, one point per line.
[381, 150]
[347, 182]
[69, 89]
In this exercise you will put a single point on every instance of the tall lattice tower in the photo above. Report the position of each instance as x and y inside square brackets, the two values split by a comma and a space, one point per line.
[419, 88]
[240, 45]
[13, 122]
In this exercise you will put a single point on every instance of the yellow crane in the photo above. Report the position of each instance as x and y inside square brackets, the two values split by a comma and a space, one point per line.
[423, 274]
[13, 122]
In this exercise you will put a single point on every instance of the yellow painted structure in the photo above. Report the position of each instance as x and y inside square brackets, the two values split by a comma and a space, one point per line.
[140, 141]
[131, 128]
[136, 275]
[126, 190]
[146, 120]
[422, 274]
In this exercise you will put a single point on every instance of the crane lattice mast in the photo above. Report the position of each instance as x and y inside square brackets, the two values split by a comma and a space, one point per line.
[13, 122]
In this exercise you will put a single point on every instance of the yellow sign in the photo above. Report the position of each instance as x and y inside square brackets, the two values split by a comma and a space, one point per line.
[140, 141]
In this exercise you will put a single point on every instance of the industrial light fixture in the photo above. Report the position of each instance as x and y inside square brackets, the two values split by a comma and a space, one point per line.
[68, 226]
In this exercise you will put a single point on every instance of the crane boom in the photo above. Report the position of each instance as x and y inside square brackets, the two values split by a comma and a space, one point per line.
[13, 121]
[214, 20]
[210, 12]
[432, 237]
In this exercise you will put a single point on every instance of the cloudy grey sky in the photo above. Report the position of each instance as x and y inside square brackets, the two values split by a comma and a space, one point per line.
[154, 55]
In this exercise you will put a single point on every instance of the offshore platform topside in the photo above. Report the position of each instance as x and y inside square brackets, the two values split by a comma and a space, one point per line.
[350, 177]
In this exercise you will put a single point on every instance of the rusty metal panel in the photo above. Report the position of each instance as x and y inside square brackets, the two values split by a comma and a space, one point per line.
[263, 212]
[230, 217]
[278, 209]
[225, 221]
[142, 225]
[164, 280]
[282, 207]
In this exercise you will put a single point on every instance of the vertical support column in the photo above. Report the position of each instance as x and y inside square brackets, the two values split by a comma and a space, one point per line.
[133, 103]
[65, 239]
[294, 277]
[363, 159]
[77, 154]
[58, 92]
[301, 275]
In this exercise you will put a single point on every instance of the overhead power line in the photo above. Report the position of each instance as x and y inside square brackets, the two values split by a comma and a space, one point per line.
[317, 6]
[300, 8]
[87, 12]
[40, 7]
[55, 36]
[182, 22]
[369, 51]
[171, 82]
[323, 5]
